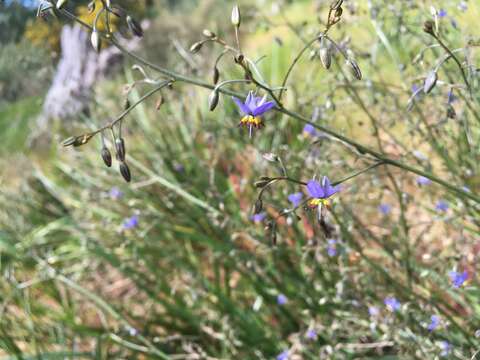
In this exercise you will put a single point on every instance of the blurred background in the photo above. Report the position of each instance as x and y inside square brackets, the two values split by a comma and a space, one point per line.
[174, 265]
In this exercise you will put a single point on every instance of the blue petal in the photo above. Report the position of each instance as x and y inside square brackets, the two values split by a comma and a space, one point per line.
[243, 108]
[262, 109]
[315, 190]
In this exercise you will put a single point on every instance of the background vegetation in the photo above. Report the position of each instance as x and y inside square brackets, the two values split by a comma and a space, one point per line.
[172, 266]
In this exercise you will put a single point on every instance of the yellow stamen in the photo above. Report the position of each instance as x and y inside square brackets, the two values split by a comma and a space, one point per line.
[316, 202]
[251, 120]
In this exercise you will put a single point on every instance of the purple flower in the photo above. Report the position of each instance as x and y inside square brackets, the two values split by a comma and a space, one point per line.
[320, 192]
[257, 218]
[332, 249]
[466, 189]
[434, 322]
[253, 108]
[463, 6]
[441, 205]
[283, 355]
[115, 193]
[309, 130]
[373, 311]
[311, 334]
[442, 13]
[446, 348]
[457, 278]
[451, 97]
[385, 209]
[392, 304]
[281, 299]
[295, 198]
[130, 223]
[422, 180]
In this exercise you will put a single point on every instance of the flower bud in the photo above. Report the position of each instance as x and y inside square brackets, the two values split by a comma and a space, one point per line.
[77, 140]
[126, 104]
[261, 183]
[429, 27]
[258, 206]
[134, 26]
[120, 148]
[216, 75]
[196, 47]
[336, 4]
[236, 16]
[338, 12]
[91, 7]
[125, 171]
[207, 33]
[430, 81]
[117, 11]
[61, 3]
[106, 156]
[325, 54]
[69, 141]
[354, 69]
[95, 40]
[213, 100]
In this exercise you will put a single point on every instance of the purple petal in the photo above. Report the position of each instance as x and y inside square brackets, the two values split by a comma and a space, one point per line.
[315, 190]
[331, 190]
[262, 109]
[243, 108]
[295, 198]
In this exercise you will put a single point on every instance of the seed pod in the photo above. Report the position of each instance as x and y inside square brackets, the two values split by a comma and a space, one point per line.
[106, 156]
[258, 206]
[207, 33]
[336, 4]
[236, 16]
[213, 100]
[325, 54]
[196, 47]
[120, 148]
[338, 12]
[451, 113]
[125, 171]
[430, 81]
[61, 3]
[261, 183]
[126, 105]
[216, 75]
[69, 141]
[117, 11]
[134, 26]
[354, 69]
[95, 40]
[77, 140]
[159, 103]
[429, 27]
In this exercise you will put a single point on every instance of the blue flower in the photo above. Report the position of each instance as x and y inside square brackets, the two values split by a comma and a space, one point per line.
[441, 205]
[295, 198]
[451, 97]
[253, 108]
[385, 209]
[442, 13]
[283, 355]
[422, 180]
[321, 192]
[446, 348]
[311, 334]
[309, 130]
[258, 218]
[434, 322]
[373, 311]
[281, 299]
[392, 304]
[115, 193]
[457, 278]
[130, 223]
[332, 249]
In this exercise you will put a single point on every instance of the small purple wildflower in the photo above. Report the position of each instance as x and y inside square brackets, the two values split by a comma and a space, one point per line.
[422, 180]
[332, 248]
[130, 223]
[434, 322]
[283, 355]
[392, 304]
[281, 299]
[253, 108]
[258, 218]
[441, 205]
[446, 348]
[311, 334]
[458, 278]
[309, 130]
[373, 311]
[466, 189]
[295, 198]
[115, 193]
[320, 192]
[385, 209]
[463, 6]
[451, 97]
[442, 13]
